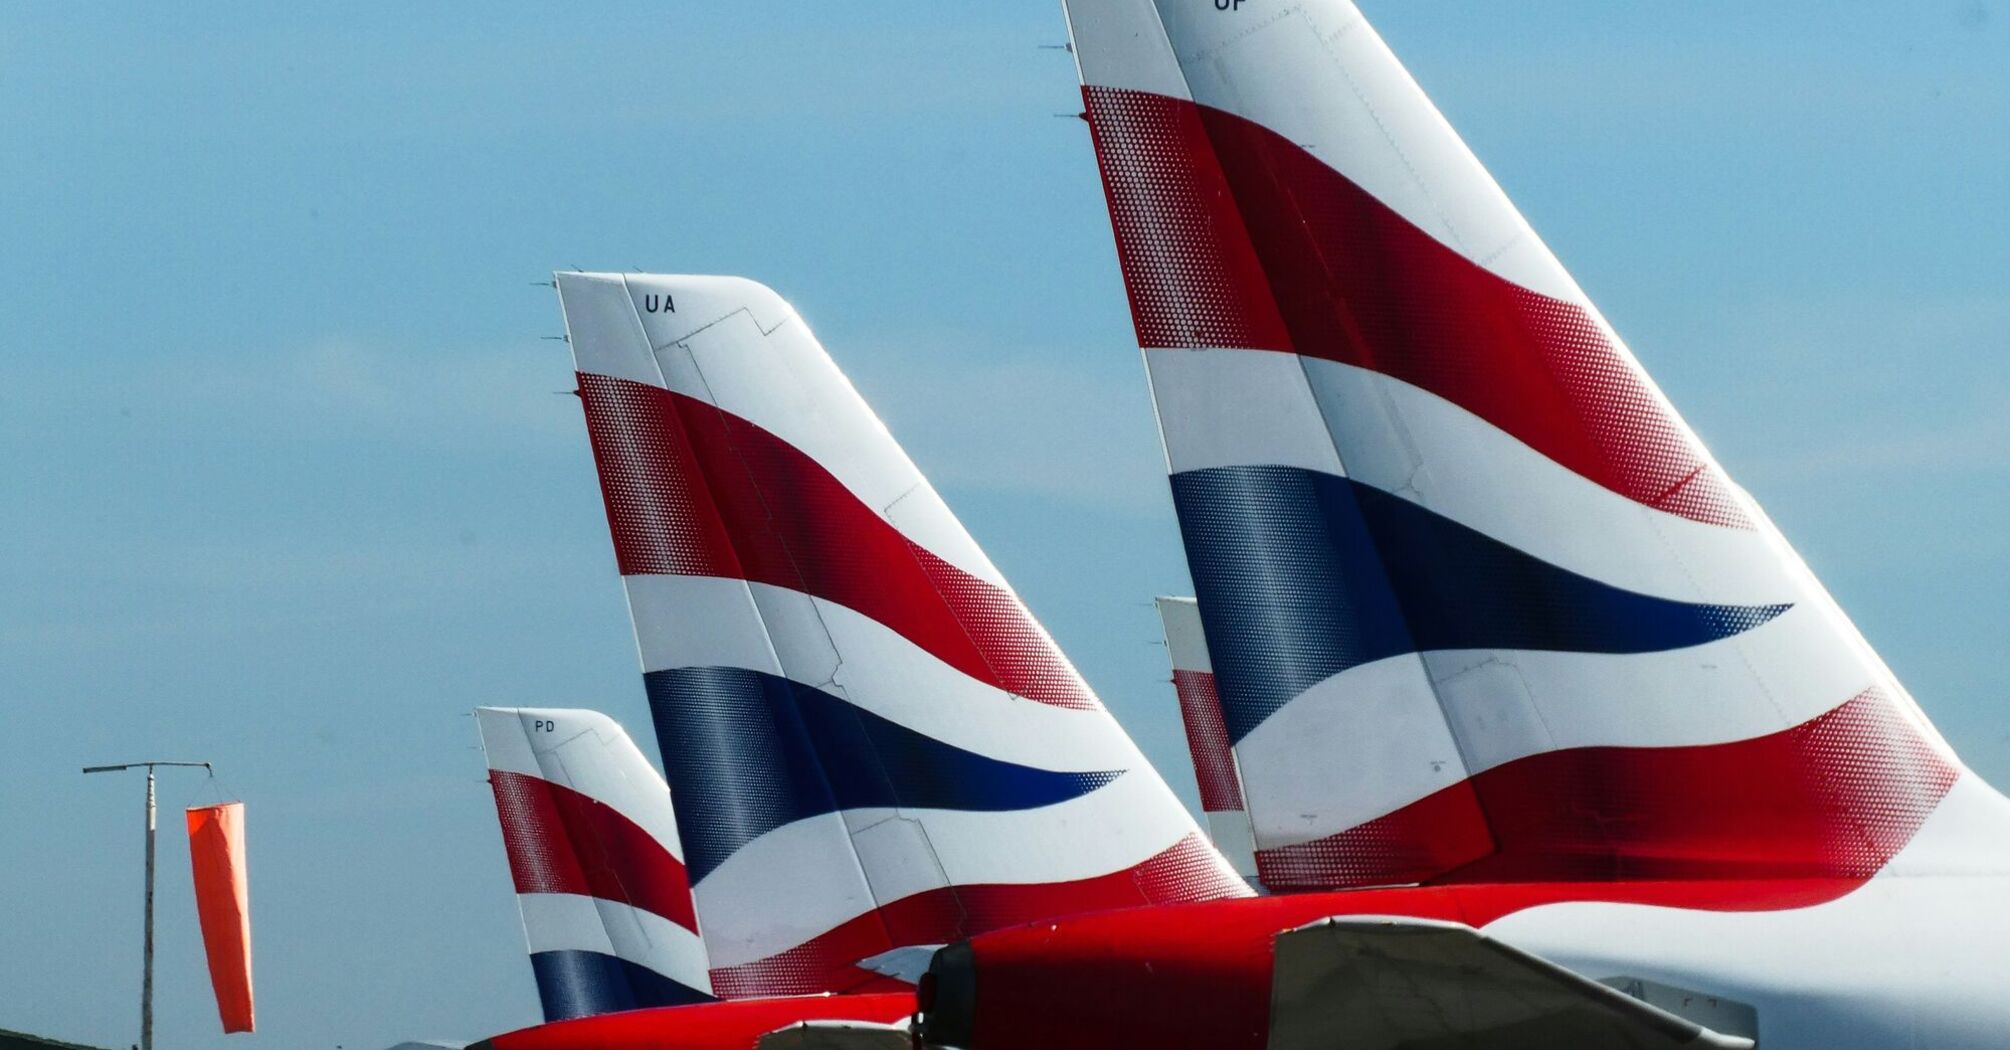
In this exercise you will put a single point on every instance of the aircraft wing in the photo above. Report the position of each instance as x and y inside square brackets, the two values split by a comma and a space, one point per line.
[1412, 984]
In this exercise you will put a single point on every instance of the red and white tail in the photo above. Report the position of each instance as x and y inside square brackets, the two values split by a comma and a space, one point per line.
[594, 854]
[1214, 771]
[873, 744]
[1479, 604]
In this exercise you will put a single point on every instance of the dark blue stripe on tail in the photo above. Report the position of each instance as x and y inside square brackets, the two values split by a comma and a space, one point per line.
[748, 752]
[583, 983]
[1301, 575]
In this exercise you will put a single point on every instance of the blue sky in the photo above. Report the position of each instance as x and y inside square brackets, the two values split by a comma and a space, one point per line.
[288, 485]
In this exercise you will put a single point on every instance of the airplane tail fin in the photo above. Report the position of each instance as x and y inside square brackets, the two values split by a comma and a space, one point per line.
[872, 743]
[1478, 602]
[1214, 769]
[593, 851]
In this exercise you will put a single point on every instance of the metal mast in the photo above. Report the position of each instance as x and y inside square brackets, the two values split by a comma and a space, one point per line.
[147, 952]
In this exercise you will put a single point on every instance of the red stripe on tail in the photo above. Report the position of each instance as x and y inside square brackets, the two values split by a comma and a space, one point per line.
[1232, 236]
[1830, 800]
[1194, 278]
[694, 490]
[560, 841]
[1207, 740]
[1188, 870]
[1421, 841]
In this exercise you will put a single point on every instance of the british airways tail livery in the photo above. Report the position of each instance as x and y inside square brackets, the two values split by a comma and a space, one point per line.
[1563, 743]
[872, 744]
[593, 851]
[1479, 603]
[1214, 771]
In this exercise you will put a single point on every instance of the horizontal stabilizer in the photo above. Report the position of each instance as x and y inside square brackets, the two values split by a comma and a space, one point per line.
[905, 964]
[838, 1035]
[1391, 984]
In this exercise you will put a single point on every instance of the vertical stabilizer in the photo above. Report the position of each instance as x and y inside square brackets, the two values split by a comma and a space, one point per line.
[1214, 771]
[872, 743]
[593, 851]
[1479, 604]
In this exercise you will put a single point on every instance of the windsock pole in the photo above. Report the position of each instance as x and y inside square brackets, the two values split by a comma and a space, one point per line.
[147, 951]
[147, 968]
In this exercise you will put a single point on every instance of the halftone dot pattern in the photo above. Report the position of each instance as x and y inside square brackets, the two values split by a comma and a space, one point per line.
[1356, 282]
[658, 510]
[577, 983]
[1290, 588]
[1302, 575]
[1015, 646]
[561, 841]
[691, 489]
[541, 855]
[738, 760]
[1653, 460]
[1207, 741]
[1416, 843]
[1193, 278]
[1834, 798]
[794, 524]
[694, 490]
[749, 752]
[1224, 227]
[823, 964]
[1189, 870]
[1233, 237]
[1876, 775]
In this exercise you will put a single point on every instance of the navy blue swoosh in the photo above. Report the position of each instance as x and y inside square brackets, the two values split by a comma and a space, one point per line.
[574, 983]
[1302, 574]
[748, 752]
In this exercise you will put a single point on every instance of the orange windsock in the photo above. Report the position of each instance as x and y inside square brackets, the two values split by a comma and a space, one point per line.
[223, 903]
